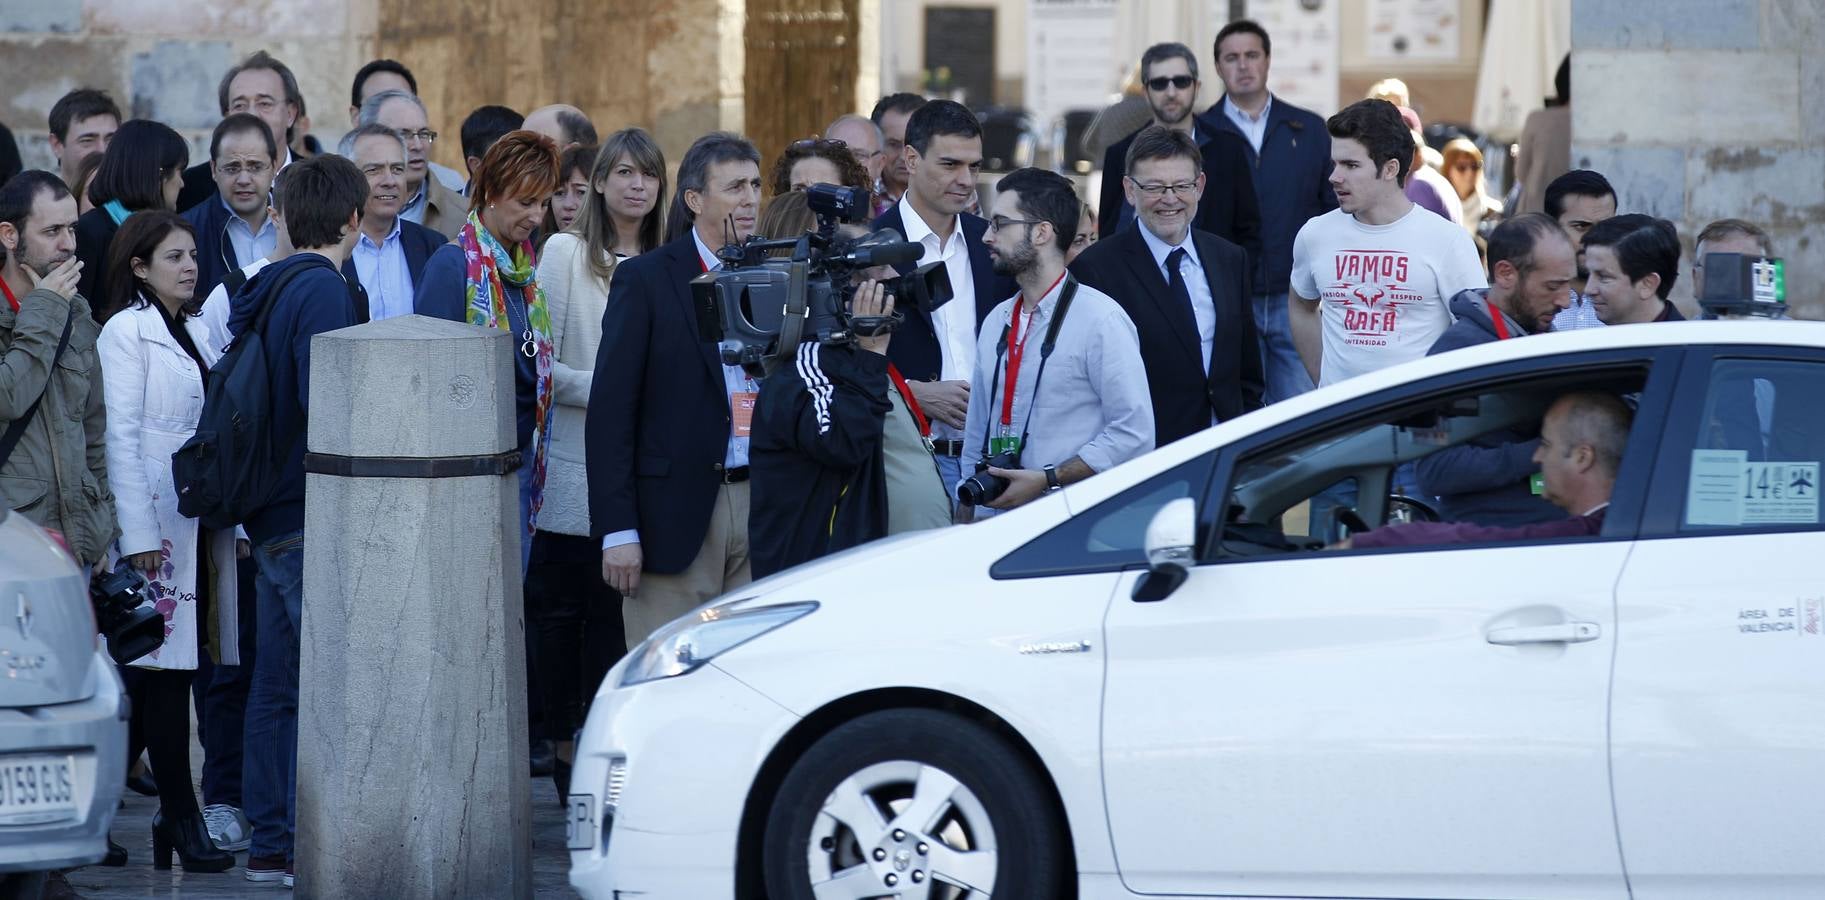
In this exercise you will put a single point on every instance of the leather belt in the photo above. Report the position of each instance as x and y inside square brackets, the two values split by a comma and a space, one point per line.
[731, 476]
[947, 448]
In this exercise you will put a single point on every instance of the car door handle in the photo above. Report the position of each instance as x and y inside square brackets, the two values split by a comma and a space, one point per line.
[1567, 633]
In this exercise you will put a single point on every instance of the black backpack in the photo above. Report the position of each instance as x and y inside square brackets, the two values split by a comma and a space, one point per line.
[229, 469]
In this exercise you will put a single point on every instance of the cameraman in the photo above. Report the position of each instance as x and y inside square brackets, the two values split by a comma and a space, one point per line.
[817, 449]
[1064, 393]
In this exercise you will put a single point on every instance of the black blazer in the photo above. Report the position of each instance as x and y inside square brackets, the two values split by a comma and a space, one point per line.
[215, 256]
[659, 422]
[199, 185]
[94, 232]
[1229, 208]
[914, 349]
[1184, 396]
[418, 242]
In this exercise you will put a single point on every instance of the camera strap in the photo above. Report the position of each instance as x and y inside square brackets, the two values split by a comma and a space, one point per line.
[1045, 353]
[16, 430]
[912, 404]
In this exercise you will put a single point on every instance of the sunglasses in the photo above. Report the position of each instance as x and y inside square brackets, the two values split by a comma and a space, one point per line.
[1178, 81]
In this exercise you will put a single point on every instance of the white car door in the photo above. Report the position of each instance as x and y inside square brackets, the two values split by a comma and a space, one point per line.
[1719, 708]
[1408, 723]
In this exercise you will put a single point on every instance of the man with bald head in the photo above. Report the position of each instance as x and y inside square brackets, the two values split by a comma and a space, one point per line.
[863, 138]
[1581, 443]
[565, 124]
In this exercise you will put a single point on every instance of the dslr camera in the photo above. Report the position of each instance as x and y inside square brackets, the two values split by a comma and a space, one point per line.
[759, 307]
[982, 488]
[124, 614]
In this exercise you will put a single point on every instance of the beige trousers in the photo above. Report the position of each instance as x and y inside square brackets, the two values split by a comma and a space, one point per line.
[721, 566]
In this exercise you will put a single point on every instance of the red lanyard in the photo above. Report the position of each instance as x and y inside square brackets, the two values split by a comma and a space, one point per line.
[1017, 346]
[10, 299]
[1501, 327]
[899, 383]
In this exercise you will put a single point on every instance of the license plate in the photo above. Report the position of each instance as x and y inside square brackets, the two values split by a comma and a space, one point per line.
[37, 789]
[580, 822]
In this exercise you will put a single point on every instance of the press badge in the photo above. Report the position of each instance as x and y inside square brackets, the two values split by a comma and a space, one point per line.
[1537, 484]
[741, 410]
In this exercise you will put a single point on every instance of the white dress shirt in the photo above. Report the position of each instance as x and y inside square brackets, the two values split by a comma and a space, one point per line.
[1253, 127]
[1203, 308]
[955, 321]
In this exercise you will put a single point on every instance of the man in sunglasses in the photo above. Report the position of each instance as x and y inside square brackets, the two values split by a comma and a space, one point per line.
[1228, 209]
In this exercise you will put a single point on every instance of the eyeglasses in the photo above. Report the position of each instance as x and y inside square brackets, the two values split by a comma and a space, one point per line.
[234, 169]
[1153, 189]
[1161, 83]
[423, 134]
[999, 222]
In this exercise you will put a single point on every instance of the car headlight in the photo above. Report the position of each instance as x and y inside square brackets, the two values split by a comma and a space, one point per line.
[686, 644]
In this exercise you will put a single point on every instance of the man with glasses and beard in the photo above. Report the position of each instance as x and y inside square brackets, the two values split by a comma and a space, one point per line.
[1228, 209]
[1060, 386]
[49, 373]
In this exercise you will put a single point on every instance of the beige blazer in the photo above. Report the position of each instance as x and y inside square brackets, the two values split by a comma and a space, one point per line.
[445, 209]
[575, 297]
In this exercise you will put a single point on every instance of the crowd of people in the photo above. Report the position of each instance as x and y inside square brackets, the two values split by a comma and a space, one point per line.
[1238, 255]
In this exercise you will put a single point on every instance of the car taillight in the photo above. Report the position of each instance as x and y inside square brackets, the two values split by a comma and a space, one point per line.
[61, 542]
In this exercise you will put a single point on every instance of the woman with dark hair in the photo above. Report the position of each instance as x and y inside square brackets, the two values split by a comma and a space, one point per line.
[486, 277]
[143, 168]
[817, 161]
[573, 189]
[576, 619]
[85, 175]
[155, 357]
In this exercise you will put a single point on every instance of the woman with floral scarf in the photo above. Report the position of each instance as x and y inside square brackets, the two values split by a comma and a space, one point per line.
[485, 277]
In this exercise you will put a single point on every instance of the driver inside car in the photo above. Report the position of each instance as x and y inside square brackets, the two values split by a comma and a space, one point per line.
[1581, 442]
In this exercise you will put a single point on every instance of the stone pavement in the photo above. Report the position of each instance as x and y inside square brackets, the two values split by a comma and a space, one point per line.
[133, 830]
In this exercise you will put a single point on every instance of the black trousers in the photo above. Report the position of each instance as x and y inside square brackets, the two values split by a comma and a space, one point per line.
[161, 727]
[575, 623]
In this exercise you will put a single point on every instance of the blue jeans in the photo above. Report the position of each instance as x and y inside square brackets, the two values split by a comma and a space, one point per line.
[271, 737]
[1283, 369]
[951, 468]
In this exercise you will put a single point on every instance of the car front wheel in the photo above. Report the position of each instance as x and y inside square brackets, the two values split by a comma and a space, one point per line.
[912, 803]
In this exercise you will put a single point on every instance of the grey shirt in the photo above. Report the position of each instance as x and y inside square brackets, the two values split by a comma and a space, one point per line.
[917, 497]
[1093, 402]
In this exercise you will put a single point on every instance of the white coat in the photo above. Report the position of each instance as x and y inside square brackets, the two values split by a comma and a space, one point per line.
[154, 396]
[575, 298]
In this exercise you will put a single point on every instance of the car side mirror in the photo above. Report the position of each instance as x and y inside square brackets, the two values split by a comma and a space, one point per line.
[1171, 546]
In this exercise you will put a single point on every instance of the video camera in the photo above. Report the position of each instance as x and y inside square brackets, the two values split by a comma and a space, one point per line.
[758, 308]
[1737, 284]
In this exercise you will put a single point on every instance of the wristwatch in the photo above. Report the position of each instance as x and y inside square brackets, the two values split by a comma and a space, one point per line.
[1052, 478]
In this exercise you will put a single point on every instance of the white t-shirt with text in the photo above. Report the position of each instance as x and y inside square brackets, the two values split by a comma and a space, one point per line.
[1383, 290]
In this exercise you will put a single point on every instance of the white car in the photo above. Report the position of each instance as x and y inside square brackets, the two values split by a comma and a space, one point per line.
[1153, 683]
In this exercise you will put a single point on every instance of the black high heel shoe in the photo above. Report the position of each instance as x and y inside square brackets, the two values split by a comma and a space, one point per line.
[117, 855]
[560, 776]
[190, 840]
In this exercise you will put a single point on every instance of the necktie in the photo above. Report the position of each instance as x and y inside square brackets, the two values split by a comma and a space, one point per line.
[1176, 278]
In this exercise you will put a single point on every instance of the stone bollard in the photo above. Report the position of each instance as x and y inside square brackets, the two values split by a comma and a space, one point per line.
[412, 696]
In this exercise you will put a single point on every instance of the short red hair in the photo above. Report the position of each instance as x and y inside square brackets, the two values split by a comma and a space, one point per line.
[522, 164]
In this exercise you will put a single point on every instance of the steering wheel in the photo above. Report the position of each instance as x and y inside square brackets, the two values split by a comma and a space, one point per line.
[1417, 510]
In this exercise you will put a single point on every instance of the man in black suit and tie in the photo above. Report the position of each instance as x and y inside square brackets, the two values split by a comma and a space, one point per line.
[667, 436]
[1228, 208]
[936, 352]
[1187, 292]
[391, 253]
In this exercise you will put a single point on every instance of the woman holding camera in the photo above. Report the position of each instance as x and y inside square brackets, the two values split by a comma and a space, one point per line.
[155, 358]
[575, 618]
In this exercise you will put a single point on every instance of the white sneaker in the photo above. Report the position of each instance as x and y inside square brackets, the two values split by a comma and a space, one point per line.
[228, 828]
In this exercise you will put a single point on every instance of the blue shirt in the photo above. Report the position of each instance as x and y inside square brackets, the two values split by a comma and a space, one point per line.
[1580, 313]
[249, 245]
[384, 275]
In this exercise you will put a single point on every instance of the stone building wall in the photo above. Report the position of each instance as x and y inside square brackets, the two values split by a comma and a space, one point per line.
[1704, 109]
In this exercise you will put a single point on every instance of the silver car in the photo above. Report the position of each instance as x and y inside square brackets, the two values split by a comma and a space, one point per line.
[63, 715]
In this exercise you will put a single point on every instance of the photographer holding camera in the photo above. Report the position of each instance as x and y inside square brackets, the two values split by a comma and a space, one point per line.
[1073, 404]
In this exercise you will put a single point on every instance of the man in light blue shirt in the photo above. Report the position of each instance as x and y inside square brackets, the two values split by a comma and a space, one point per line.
[390, 253]
[232, 228]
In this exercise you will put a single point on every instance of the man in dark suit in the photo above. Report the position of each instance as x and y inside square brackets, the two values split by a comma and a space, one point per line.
[667, 436]
[1186, 291]
[936, 352]
[1288, 159]
[390, 255]
[1228, 208]
[232, 227]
